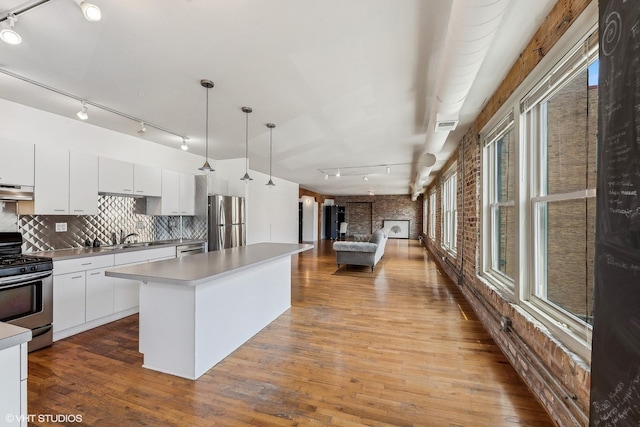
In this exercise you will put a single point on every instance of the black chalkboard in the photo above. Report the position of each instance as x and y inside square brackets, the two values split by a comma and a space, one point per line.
[615, 360]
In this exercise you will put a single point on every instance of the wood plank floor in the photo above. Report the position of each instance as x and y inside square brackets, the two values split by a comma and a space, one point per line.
[396, 347]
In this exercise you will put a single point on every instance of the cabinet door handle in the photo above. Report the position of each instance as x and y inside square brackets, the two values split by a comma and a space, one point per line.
[87, 263]
[127, 189]
[95, 274]
[76, 277]
[59, 210]
[78, 210]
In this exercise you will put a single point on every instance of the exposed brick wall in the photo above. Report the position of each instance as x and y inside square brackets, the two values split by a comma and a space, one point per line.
[367, 213]
[557, 377]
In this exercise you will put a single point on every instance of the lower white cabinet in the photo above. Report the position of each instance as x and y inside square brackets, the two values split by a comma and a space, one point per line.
[126, 293]
[99, 295]
[68, 300]
[13, 385]
[83, 297]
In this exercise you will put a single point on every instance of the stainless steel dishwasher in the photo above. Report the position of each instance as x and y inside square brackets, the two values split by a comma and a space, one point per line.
[189, 249]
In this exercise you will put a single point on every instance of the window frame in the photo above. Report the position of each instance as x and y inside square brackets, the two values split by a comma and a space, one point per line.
[490, 203]
[431, 229]
[449, 207]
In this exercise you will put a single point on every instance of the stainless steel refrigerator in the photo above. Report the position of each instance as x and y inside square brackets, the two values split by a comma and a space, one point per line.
[226, 222]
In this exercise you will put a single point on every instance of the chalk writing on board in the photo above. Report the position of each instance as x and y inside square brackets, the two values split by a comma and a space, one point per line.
[619, 404]
[625, 265]
[611, 33]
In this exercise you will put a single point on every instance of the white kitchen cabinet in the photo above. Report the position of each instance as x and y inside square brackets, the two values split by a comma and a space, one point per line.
[178, 195]
[127, 292]
[51, 187]
[83, 184]
[68, 300]
[99, 294]
[115, 176]
[79, 294]
[147, 180]
[16, 163]
[13, 384]
[187, 194]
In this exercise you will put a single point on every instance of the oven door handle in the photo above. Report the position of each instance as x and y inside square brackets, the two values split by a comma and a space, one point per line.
[16, 281]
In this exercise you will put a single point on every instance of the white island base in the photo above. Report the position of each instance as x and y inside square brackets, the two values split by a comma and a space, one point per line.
[186, 330]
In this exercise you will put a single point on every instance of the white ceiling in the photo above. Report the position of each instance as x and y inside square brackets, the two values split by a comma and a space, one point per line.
[347, 82]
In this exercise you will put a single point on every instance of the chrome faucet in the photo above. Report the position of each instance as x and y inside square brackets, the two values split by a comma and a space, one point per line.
[123, 238]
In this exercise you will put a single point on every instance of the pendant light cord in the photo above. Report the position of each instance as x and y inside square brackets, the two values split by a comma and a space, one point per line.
[246, 138]
[270, 150]
[206, 119]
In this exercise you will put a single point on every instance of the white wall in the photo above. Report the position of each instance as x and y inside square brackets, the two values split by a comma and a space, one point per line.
[20, 123]
[309, 219]
[272, 214]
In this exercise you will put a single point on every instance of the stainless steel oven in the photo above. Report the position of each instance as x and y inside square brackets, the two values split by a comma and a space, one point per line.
[26, 290]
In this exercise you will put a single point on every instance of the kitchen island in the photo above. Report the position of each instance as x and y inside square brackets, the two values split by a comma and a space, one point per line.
[196, 310]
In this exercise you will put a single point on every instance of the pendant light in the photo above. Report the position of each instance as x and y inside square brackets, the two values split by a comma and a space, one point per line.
[246, 178]
[270, 126]
[207, 84]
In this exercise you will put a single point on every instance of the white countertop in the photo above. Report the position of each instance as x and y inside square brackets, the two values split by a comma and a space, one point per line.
[11, 335]
[200, 268]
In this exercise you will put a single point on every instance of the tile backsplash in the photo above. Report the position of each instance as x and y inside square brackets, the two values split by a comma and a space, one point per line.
[115, 213]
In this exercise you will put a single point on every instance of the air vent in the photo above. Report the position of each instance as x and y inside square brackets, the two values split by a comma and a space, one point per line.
[446, 125]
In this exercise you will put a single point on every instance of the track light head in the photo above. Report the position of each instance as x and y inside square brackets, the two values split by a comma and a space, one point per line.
[83, 114]
[184, 146]
[365, 178]
[142, 130]
[90, 11]
[9, 35]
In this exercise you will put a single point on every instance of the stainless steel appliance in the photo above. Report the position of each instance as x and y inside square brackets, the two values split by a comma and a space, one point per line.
[189, 249]
[226, 222]
[26, 290]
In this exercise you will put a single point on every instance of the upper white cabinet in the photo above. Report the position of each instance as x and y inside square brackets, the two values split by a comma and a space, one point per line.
[115, 176]
[65, 183]
[178, 195]
[147, 181]
[118, 177]
[16, 163]
[51, 190]
[187, 194]
[83, 184]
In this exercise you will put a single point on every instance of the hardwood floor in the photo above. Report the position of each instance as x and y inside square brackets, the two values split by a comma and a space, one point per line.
[396, 347]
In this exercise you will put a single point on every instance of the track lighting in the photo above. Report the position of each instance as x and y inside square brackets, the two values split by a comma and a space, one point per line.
[246, 178]
[90, 11]
[207, 84]
[326, 176]
[338, 174]
[365, 178]
[82, 114]
[184, 144]
[142, 130]
[388, 170]
[9, 35]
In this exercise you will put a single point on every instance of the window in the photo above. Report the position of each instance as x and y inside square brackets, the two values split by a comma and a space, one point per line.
[449, 211]
[539, 188]
[500, 158]
[563, 119]
[432, 215]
